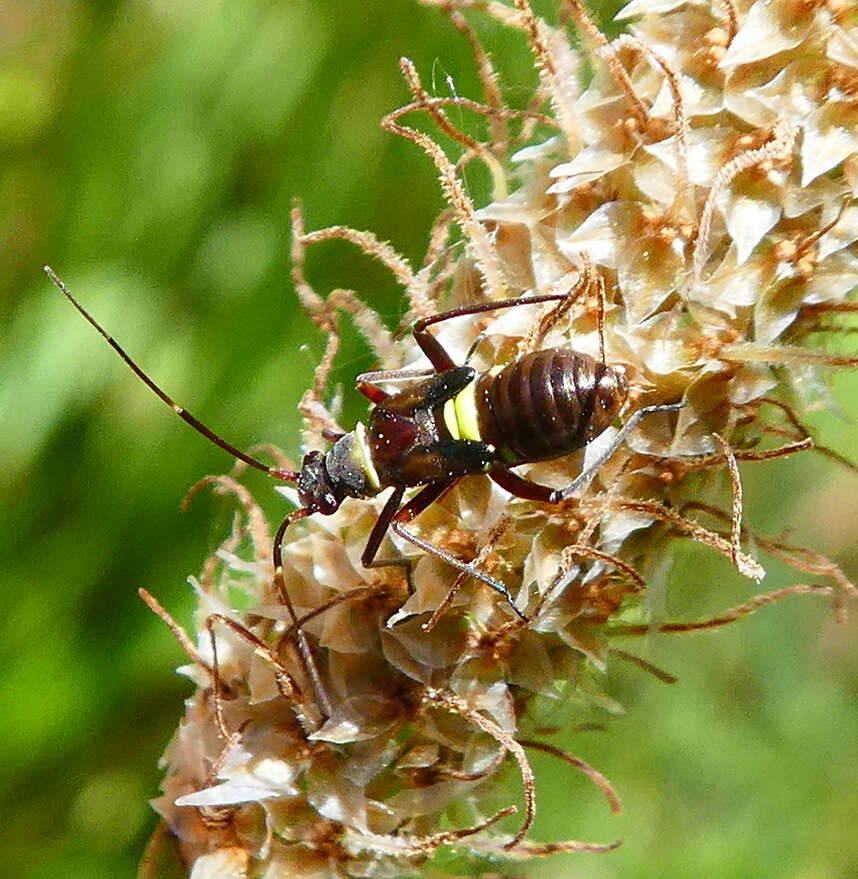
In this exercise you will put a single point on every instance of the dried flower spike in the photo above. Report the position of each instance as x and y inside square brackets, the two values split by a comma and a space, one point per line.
[689, 216]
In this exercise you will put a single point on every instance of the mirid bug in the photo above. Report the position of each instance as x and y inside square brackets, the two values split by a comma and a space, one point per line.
[453, 422]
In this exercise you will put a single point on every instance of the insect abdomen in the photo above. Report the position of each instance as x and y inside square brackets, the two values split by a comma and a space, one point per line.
[546, 404]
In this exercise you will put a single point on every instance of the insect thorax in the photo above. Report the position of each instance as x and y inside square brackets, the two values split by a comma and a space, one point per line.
[346, 470]
[349, 464]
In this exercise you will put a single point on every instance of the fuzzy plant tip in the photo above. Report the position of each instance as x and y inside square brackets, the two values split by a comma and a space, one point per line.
[647, 306]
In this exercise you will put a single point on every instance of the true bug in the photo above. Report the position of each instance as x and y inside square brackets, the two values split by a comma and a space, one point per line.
[447, 424]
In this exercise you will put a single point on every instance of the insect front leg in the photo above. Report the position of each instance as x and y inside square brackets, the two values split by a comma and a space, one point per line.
[382, 523]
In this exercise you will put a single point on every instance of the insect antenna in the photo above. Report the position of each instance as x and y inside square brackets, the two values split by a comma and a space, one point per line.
[303, 647]
[196, 424]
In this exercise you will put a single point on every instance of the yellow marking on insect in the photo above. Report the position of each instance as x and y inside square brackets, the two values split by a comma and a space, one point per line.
[450, 419]
[460, 414]
[363, 455]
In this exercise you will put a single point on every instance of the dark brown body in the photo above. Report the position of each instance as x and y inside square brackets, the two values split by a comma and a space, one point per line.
[547, 404]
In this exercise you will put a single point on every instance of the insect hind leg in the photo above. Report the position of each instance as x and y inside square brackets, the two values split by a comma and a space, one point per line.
[583, 479]
[435, 351]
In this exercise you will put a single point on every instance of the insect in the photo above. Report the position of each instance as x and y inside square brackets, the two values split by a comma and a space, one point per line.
[449, 423]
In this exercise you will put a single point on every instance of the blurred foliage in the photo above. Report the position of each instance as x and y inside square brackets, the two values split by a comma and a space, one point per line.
[151, 151]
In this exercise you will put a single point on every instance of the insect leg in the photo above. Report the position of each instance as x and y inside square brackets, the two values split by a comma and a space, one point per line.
[367, 382]
[524, 488]
[435, 351]
[583, 479]
[368, 559]
[371, 391]
[413, 509]
[534, 491]
[305, 651]
[394, 375]
[474, 345]
[279, 583]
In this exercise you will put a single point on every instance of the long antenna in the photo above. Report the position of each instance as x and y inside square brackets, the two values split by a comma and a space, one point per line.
[198, 426]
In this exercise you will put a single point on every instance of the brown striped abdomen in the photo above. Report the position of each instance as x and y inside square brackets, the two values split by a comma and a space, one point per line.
[547, 403]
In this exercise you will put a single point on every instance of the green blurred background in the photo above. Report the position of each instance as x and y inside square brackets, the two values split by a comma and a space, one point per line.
[151, 151]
